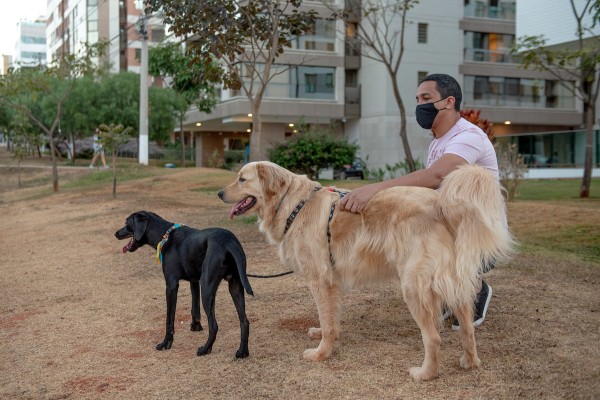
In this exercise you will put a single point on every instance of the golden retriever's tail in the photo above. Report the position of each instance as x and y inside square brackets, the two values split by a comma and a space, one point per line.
[472, 204]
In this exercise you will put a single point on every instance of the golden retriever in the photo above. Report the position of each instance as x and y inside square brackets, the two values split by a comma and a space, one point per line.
[434, 242]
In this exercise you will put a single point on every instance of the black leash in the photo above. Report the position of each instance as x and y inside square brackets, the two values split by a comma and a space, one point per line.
[269, 276]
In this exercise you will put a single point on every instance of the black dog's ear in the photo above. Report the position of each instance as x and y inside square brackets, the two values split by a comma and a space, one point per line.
[140, 222]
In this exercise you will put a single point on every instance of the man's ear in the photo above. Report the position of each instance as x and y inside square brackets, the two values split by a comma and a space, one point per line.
[140, 222]
[450, 102]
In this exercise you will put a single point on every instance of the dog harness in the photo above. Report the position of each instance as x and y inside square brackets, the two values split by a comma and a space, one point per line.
[296, 210]
[164, 240]
[341, 194]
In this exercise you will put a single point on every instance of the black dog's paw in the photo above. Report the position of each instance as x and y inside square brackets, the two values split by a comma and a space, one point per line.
[204, 350]
[195, 326]
[165, 344]
[242, 353]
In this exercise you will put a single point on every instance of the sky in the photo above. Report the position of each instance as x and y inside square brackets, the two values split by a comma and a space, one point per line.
[13, 12]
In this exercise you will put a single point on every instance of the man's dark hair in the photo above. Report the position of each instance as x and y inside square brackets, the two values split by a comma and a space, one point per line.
[447, 86]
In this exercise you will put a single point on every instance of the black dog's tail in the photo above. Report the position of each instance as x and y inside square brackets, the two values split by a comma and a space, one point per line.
[237, 251]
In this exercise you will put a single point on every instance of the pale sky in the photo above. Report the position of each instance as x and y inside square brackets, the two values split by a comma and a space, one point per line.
[12, 12]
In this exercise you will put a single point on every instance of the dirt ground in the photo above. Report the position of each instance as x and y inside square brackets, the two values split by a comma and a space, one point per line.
[79, 319]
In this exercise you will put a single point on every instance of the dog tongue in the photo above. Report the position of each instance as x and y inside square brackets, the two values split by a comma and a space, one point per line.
[127, 246]
[235, 209]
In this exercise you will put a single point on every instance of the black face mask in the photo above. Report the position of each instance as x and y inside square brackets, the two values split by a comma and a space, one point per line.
[426, 114]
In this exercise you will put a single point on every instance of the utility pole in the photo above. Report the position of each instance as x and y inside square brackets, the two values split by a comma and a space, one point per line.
[143, 141]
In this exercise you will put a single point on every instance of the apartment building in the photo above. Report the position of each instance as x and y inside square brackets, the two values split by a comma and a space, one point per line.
[470, 40]
[5, 63]
[73, 22]
[30, 47]
[330, 83]
[555, 20]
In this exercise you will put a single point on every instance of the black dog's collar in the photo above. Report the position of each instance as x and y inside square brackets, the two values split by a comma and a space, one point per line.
[164, 240]
[295, 212]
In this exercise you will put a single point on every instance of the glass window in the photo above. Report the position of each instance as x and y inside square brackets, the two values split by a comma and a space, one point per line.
[422, 37]
[310, 83]
[480, 88]
[314, 82]
[320, 38]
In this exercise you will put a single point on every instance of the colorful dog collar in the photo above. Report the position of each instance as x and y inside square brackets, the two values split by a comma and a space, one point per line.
[164, 240]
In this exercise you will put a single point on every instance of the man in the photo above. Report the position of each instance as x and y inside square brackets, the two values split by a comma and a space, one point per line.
[98, 151]
[455, 142]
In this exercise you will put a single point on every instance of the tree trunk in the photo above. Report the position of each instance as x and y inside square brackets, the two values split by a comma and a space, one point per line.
[53, 158]
[114, 172]
[257, 153]
[19, 171]
[584, 191]
[403, 133]
[182, 139]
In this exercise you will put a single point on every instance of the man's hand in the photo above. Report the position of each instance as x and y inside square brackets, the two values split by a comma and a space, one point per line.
[357, 199]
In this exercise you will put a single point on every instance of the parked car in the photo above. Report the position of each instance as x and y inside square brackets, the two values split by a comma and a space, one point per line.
[354, 170]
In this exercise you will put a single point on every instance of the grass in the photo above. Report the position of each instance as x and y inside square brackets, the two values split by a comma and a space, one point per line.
[579, 240]
[554, 189]
[125, 172]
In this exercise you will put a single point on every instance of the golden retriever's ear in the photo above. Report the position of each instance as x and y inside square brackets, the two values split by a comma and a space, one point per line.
[271, 181]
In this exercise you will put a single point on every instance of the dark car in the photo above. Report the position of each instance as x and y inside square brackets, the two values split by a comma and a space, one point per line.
[356, 170]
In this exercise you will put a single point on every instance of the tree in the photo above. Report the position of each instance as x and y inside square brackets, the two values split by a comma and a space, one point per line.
[580, 64]
[246, 36]
[19, 89]
[193, 82]
[111, 137]
[20, 143]
[380, 37]
[312, 149]
[511, 168]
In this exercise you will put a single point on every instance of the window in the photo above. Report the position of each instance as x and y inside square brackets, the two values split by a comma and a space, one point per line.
[310, 83]
[313, 82]
[320, 37]
[422, 33]
[421, 75]
[158, 35]
[328, 80]
[351, 78]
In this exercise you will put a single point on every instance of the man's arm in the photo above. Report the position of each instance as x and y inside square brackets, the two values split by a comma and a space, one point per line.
[431, 177]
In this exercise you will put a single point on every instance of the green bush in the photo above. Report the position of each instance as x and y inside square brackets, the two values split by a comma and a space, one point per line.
[312, 149]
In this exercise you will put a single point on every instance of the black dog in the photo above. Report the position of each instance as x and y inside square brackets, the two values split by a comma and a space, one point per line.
[202, 257]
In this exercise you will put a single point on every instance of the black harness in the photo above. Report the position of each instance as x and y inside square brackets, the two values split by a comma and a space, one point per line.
[298, 207]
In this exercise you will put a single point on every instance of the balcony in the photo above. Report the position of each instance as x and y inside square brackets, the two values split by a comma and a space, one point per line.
[352, 102]
[506, 10]
[491, 56]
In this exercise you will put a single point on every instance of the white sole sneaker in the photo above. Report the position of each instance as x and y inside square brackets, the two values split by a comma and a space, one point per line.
[480, 317]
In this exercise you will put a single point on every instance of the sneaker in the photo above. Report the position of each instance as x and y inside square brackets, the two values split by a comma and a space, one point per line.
[483, 301]
[106, 167]
[91, 166]
[446, 313]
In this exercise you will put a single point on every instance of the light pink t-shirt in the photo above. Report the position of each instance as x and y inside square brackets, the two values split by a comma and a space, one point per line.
[467, 141]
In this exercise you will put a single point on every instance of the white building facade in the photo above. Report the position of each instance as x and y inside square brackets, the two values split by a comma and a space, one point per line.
[30, 48]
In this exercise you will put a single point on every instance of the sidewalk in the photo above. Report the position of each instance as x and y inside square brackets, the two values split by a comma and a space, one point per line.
[555, 173]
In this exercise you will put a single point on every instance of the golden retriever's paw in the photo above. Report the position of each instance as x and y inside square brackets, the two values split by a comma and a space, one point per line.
[421, 374]
[315, 355]
[314, 333]
[469, 362]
